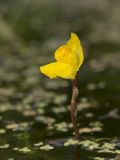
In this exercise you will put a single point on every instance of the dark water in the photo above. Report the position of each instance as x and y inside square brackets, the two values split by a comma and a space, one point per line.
[34, 110]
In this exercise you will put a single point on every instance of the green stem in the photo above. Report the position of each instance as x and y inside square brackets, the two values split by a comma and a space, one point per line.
[74, 106]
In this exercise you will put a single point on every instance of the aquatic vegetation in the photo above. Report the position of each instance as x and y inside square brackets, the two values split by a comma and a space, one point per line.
[23, 150]
[58, 99]
[47, 147]
[108, 146]
[25, 95]
[47, 120]
[4, 146]
[99, 158]
[94, 86]
[62, 126]
[19, 126]
[2, 131]
[90, 145]
[59, 109]
[96, 124]
[71, 142]
[30, 113]
[90, 130]
[38, 144]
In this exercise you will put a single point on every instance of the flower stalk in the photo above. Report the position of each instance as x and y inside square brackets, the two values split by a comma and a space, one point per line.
[68, 60]
[73, 106]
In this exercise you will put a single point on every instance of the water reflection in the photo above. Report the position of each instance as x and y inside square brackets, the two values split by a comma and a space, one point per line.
[77, 153]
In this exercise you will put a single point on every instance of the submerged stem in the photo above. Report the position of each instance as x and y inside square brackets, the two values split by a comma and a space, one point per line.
[74, 106]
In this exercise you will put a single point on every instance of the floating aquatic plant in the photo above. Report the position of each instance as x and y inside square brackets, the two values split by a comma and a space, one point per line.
[4, 146]
[69, 58]
[23, 150]
[47, 147]
[71, 142]
[38, 144]
[2, 131]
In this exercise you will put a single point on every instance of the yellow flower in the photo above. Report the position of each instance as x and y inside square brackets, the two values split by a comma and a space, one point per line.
[69, 58]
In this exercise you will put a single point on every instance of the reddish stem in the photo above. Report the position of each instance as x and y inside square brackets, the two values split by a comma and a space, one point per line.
[74, 106]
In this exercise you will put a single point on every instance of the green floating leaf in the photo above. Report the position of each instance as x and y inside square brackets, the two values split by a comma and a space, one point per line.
[71, 142]
[90, 145]
[4, 146]
[2, 131]
[99, 158]
[23, 150]
[47, 147]
[38, 144]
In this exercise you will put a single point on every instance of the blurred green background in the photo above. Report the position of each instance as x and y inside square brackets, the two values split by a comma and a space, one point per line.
[34, 29]
[30, 103]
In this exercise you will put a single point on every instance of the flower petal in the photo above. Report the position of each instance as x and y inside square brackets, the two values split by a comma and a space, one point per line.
[75, 45]
[58, 69]
[66, 55]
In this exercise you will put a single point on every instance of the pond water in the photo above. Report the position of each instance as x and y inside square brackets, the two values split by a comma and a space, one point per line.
[35, 119]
